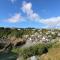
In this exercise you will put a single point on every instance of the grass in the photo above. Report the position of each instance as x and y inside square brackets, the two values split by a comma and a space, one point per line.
[53, 53]
[37, 49]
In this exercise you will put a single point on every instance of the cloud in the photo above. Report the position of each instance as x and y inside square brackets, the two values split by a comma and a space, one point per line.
[31, 15]
[49, 22]
[13, 19]
[52, 22]
[27, 9]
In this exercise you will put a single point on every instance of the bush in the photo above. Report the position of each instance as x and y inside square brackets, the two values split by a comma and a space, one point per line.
[31, 51]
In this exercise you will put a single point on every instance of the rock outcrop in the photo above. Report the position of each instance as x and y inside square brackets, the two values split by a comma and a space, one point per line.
[8, 43]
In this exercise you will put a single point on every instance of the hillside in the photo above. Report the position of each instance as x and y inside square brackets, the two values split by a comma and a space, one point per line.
[29, 43]
[53, 53]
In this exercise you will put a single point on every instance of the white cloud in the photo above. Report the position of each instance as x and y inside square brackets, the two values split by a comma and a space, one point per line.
[49, 22]
[53, 21]
[27, 8]
[13, 19]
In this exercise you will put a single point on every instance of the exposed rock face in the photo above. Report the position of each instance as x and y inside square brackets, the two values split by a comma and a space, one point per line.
[4, 43]
[33, 58]
[16, 41]
[10, 42]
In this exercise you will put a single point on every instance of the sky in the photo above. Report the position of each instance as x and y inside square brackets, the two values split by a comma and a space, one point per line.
[30, 13]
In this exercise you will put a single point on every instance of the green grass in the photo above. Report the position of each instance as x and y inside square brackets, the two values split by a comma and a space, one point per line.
[37, 49]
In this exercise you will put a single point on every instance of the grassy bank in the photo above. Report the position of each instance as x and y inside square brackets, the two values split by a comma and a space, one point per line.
[53, 53]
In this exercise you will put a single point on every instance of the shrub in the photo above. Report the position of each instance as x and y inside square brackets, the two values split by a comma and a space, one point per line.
[37, 49]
